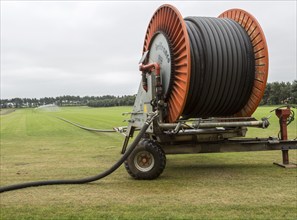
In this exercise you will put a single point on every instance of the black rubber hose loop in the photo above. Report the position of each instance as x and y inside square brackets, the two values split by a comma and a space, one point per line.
[83, 180]
[237, 71]
[233, 76]
[240, 92]
[231, 56]
[219, 67]
[227, 50]
[222, 67]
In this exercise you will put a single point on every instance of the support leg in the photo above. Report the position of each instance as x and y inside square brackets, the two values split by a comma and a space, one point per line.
[283, 115]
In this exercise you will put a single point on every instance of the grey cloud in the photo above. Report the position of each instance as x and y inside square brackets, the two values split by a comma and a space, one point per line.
[92, 48]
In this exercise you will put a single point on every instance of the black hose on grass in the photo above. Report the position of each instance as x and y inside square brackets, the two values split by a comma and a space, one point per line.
[85, 128]
[87, 179]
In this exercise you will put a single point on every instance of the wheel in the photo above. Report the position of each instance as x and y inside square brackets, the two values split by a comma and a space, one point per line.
[147, 161]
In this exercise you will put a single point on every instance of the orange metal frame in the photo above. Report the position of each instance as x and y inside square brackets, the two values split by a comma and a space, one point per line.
[169, 20]
[256, 34]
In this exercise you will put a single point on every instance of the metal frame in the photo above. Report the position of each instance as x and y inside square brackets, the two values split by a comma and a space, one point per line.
[211, 135]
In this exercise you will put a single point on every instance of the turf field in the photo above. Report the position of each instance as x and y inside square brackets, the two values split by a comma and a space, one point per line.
[37, 146]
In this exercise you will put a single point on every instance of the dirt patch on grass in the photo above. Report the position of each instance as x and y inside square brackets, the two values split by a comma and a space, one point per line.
[6, 111]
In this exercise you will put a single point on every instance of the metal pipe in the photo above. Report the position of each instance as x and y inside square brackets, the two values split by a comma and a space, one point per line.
[261, 124]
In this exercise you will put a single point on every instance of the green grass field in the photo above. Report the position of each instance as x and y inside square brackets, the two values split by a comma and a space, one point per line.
[37, 146]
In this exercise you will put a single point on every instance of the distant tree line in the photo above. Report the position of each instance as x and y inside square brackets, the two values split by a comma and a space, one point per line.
[107, 101]
[276, 93]
[67, 100]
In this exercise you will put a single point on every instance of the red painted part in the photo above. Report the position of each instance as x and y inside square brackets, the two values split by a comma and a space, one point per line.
[168, 20]
[150, 67]
[256, 34]
[283, 115]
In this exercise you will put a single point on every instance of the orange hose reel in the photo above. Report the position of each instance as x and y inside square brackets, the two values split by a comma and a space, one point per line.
[168, 21]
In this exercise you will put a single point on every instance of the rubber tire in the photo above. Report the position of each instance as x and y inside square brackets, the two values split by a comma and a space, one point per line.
[159, 159]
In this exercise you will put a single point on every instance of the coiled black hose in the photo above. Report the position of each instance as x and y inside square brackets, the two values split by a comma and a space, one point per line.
[222, 67]
[87, 179]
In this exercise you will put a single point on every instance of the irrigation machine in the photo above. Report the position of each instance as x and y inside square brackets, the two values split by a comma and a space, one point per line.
[202, 78]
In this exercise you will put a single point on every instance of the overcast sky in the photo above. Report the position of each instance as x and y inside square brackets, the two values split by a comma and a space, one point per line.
[53, 48]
